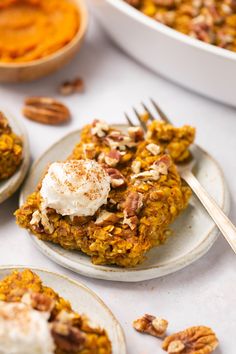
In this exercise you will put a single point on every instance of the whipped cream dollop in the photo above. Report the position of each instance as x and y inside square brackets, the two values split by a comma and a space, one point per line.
[24, 330]
[75, 187]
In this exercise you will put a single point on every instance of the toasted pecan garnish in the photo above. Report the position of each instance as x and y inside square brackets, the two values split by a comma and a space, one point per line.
[112, 158]
[106, 218]
[66, 335]
[38, 301]
[133, 203]
[67, 338]
[117, 179]
[46, 110]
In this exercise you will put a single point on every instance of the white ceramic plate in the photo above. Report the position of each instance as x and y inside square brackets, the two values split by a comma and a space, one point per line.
[10, 185]
[194, 231]
[199, 66]
[83, 300]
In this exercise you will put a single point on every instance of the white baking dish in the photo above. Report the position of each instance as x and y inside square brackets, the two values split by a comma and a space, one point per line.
[201, 67]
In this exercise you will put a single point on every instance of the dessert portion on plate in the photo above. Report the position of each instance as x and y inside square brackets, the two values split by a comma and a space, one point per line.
[35, 319]
[211, 21]
[115, 196]
[11, 149]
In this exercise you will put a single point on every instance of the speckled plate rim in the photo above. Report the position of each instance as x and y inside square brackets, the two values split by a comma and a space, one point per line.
[9, 186]
[121, 349]
[130, 274]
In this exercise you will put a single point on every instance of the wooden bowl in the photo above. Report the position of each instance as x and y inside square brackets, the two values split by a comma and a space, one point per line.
[27, 71]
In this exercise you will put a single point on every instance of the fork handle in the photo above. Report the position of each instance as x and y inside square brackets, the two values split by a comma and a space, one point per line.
[222, 221]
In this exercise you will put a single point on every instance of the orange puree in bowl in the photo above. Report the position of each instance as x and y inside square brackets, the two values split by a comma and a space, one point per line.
[33, 29]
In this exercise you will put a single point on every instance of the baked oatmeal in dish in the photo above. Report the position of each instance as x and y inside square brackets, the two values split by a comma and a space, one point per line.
[11, 149]
[115, 196]
[211, 21]
[34, 319]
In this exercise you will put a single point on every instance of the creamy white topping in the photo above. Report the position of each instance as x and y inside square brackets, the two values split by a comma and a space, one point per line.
[75, 188]
[24, 330]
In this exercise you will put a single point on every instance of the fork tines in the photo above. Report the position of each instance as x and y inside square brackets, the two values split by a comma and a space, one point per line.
[156, 108]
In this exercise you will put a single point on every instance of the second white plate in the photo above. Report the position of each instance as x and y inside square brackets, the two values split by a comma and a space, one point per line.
[11, 184]
[83, 300]
[194, 231]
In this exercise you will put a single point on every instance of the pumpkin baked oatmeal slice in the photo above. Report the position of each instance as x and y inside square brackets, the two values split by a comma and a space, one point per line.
[35, 319]
[116, 195]
[11, 149]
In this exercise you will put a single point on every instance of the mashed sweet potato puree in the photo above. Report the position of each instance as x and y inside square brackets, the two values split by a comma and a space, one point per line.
[33, 29]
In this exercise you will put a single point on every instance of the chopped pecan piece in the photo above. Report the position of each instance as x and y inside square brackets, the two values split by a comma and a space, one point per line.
[131, 221]
[99, 128]
[46, 110]
[105, 218]
[67, 338]
[151, 325]
[40, 220]
[38, 301]
[112, 158]
[193, 340]
[69, 87]
[154, 149]
[136, 166]
[117, 179]
[132, 206]
[118, 140]
[163, 164]
[133, 203]
[136, 133]
[89, 150]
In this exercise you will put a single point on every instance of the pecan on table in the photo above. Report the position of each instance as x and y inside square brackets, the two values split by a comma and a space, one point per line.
[152, 325]
[46, 110]
[73, 86]
[193, 340]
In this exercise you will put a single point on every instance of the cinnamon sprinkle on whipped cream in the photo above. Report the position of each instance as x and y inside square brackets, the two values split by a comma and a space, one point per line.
[75, 187]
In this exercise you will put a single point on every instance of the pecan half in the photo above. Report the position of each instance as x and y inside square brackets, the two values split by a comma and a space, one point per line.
[117, 179]
[38, 301]
[193, 340]
[46, 110]
[152, 325]
[73, 86]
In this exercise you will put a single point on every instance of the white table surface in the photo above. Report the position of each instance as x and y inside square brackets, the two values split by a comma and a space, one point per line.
[201, 294]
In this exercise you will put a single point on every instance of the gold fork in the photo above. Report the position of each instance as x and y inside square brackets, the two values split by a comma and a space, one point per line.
[185, 169]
